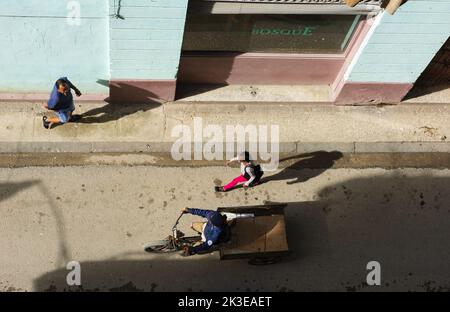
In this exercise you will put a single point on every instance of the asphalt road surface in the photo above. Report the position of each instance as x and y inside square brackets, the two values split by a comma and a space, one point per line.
[338, 220]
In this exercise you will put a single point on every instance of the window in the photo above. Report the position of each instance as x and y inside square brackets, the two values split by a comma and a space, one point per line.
[268, 33]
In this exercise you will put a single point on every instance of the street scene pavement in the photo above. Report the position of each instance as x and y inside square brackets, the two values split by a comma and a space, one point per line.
[339, 218]
[106, 127]
[233, 147]
[361, 184]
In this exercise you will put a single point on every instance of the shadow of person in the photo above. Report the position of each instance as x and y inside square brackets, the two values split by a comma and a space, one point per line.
[124, 100]
[320, 160]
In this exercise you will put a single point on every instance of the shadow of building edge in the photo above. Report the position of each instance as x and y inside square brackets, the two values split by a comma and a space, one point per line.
[137, 93]
[435, 77]
[130, 92]
[125, 99]
[56, 280]
[202, 71]
[147, 270]
[199, 73]
[9, 189]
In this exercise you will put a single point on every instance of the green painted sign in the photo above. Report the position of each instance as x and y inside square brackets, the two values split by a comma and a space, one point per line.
[305, 31]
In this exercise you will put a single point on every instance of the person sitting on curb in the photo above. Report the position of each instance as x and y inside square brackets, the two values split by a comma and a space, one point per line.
[61, 101]
[213, 232]
[250, 173]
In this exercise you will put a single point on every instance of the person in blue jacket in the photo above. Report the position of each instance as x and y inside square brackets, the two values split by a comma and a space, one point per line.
[61, 101]
[212, 231]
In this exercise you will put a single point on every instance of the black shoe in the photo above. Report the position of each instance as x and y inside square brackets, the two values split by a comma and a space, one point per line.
[219, 189]
[75, 118]
[257, 183]
[45, 123]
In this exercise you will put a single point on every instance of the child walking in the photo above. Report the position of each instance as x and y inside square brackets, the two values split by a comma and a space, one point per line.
[250, 173]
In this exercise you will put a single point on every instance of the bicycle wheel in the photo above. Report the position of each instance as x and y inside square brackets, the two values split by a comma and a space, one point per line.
[162, 246]
[263, 260]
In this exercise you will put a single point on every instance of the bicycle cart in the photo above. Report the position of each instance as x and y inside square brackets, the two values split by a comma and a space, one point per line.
[258, 233]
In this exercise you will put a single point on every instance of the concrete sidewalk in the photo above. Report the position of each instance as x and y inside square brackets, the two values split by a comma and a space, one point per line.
[303, 127]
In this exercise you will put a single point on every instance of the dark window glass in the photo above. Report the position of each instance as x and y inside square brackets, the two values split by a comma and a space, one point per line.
[268, 33]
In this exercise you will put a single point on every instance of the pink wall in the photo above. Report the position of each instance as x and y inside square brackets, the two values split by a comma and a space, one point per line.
[253, 68]
[277, 68]
[364, 93]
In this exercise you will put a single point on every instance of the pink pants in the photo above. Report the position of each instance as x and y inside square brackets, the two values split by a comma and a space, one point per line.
[234, 182]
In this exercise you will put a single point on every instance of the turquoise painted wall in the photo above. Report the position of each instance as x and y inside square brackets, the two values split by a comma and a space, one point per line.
[146, 44]
[403, 44]
[38, 46]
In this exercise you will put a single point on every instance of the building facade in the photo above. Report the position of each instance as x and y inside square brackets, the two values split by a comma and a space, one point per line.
[133, 50]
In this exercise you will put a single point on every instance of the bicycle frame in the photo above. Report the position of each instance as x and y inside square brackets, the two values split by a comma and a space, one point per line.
[174, 227]
[173, 242]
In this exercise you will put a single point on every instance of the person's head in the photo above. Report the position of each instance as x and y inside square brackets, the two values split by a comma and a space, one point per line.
[217, 219]
[244, 157]
[62, 86]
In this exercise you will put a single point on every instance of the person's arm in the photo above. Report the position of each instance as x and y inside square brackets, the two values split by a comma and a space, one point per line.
[210, 241]
[252, 175]
[53, 101]
[72, 86]
[198, 212]
[202, 247]
[232, 160]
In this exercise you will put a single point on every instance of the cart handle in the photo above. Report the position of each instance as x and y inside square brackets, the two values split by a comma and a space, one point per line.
[176, 222]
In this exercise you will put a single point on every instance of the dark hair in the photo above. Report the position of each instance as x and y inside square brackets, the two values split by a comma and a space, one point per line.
[218, 219]
[246, 156]
[61, 82]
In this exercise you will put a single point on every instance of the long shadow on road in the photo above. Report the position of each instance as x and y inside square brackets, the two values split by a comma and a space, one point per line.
[8, 190]
[199, 273]
[402, 222]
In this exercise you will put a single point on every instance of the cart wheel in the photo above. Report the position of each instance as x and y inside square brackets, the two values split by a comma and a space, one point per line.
[263, 260]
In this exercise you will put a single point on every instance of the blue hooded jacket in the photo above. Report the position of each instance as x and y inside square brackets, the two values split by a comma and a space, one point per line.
[213, 229]
[59, 101]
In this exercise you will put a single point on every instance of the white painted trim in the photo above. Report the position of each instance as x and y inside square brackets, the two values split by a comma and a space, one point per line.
[282, 8]
[375, 21]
